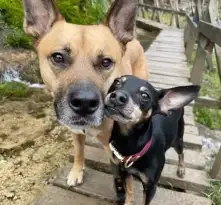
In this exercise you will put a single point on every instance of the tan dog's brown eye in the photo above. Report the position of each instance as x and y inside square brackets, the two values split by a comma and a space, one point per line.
[57, 58]
[60, 59]
[106, 63]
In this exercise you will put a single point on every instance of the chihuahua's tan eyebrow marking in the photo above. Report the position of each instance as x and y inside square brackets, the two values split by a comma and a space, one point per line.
[143, 88]
[123, 79]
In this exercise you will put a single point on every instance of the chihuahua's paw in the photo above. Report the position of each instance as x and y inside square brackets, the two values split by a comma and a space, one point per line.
[75, 177]
[181, 171]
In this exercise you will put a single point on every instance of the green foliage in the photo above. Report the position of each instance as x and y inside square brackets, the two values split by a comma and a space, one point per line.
[215, 193]
[14, 89]
[17, 39]
[74, 11]
[208, 117]
[211, 85]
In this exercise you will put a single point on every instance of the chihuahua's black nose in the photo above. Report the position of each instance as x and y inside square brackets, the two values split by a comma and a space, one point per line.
[119, 98]
[83, 99]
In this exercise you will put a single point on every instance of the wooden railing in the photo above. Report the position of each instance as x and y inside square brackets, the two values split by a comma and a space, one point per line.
[157, 12]
[207, 35]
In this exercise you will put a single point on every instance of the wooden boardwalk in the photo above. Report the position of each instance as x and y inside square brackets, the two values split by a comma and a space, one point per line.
[168, 67]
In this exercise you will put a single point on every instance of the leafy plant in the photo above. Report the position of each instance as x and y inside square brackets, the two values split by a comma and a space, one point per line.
[74, 11]
[214, 193]
[14, 89]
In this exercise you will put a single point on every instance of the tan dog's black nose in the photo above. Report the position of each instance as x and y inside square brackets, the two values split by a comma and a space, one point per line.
[84, 101]
[119, 98]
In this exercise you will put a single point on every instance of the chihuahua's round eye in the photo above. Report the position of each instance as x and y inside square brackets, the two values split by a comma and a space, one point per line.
[145, 96]
[57, 58]
[106, 63]
[117, 83]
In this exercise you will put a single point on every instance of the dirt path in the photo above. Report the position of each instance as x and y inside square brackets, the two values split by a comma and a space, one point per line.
[32, 147]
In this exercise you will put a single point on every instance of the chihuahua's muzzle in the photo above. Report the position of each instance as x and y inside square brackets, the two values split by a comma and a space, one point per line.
[120, 106]
[81, 106]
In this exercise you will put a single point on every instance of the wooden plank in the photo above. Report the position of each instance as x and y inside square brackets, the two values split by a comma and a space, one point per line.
[191, 130]
[193, 26]
[149, 25]
[102, 189]
[206, 101]
[190, 46]
[154, 70]
[216, 170]
[197, 71]
[188, 110]
[162, 9]
[193, 159]
[164, 49]
[162, 78]
[169, 44]
[189, 120]
[218, 59]
[192, 141]
[167, 55]
[167, 60]
[54, 195]
[181, 68]
[195, 180]
[212, 32]
[162, 85]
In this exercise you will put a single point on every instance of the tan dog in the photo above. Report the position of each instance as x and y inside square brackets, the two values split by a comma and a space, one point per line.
[79, 63]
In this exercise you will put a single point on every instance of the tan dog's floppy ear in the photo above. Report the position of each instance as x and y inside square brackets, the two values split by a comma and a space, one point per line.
[121, 19]
[39, 16]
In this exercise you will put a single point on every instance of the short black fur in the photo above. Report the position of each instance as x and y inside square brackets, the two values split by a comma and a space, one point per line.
[166, 130]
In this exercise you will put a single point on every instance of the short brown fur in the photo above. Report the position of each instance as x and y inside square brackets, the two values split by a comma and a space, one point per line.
[84, 43]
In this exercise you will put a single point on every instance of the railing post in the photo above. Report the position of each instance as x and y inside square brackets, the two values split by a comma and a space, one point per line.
[216, 170]
[198, 67]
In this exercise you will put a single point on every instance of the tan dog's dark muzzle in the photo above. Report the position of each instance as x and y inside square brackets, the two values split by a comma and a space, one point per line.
[84, 101]
[81, 106]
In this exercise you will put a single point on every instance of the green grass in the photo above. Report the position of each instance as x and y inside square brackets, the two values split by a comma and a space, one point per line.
[208, 117]
[14, 89]
[11, 13]
[215, 193]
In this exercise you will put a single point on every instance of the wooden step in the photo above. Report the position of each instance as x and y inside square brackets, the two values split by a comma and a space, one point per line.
[154, 47]
[192, 141]
[167, 55]
[155, 65]
[99, 185]
[189, 129]
[54, 195]
[154, 70]
[169, 84]
[195, 180]
[163, 78]
[193, 158]
[167, 59]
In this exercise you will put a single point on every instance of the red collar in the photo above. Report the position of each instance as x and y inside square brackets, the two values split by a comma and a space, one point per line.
[129, 160]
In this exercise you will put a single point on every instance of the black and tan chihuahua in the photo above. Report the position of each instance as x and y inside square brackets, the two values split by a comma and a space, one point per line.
[147, 123]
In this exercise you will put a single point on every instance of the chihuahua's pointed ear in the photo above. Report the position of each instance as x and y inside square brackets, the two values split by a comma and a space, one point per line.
[39, 16]
[176, 98]
[121, 19]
